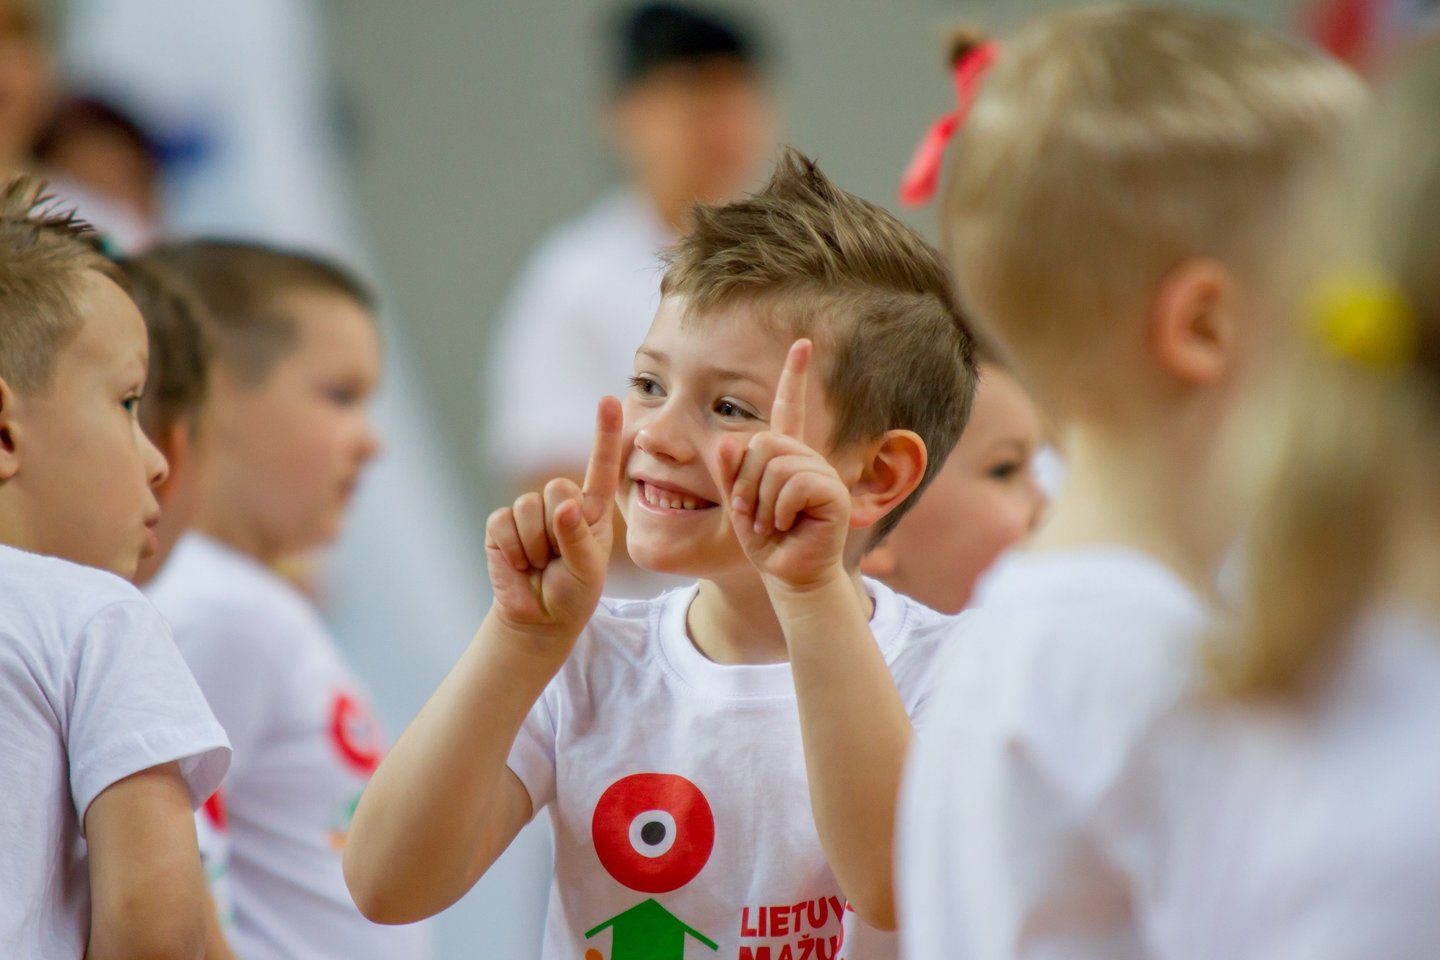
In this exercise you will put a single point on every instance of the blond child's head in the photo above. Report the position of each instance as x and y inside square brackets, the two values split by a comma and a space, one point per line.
[177, 327]
[296, 358]
[893, 370]
[1357, 488]
[76, 471]
[1125, 170]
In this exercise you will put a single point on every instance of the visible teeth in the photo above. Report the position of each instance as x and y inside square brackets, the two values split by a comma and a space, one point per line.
[669, 501]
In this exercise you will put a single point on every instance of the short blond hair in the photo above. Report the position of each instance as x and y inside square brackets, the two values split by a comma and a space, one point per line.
[44, 253]
[815, 261]
[1357, 440]
[1109, 144]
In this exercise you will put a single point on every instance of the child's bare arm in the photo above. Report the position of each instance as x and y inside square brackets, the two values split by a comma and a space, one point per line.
[147, 889]
[443, 805]
[791, 512]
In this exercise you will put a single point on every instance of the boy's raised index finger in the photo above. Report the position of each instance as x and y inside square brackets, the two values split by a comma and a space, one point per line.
[787, 415]
[602, 476]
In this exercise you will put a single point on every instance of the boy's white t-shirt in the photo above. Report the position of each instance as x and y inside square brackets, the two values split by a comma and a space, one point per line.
[678, 795]
[1291, 831]
[305, 745]
[91, 691]
[1018, 792]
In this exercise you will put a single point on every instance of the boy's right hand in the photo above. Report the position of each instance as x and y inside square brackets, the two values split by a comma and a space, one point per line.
[548, 552]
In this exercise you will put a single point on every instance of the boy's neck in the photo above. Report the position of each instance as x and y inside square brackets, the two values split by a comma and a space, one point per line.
[1147, 489]
[238, 537]
[733, 621]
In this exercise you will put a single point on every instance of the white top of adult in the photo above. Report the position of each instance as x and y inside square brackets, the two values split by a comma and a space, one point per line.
[92, 690]
[678, 795]
[1015, 791]
[566, 337]
[305, 746]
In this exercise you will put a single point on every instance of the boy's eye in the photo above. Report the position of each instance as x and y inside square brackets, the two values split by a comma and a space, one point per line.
[343, 396]
[1007, 471]
[645, 386]
[732, 410]
[131, 405]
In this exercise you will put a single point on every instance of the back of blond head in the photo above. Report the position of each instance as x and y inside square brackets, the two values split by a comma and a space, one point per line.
[44, 253]
[1109, 144]
[1361, 443]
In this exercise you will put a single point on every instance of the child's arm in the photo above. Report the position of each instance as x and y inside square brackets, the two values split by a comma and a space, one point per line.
[791, 512]
[147, 890]
[443, 805]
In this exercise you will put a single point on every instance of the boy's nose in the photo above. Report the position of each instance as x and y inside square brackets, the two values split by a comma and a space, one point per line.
[371, 446]
[157, 468]
[664, 437]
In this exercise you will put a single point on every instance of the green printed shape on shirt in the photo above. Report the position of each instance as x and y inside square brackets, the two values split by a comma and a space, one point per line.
[648, 931]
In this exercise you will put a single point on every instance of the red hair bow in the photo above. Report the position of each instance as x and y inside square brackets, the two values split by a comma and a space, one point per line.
[918, 183]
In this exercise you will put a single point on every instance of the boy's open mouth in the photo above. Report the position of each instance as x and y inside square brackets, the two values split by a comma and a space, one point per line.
[663, 498]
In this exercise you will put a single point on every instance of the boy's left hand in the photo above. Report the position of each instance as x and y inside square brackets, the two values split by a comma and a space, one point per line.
[789, 508]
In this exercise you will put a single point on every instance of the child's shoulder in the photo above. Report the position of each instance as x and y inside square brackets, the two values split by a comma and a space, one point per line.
[208, 587]
[44, 584]
[52, 604]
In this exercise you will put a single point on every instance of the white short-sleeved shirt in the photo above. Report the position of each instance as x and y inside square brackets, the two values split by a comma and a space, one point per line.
[1302, 831]
[567, 337]
[91, 691]
[678, 796]
[305, 745]
[1016, 792]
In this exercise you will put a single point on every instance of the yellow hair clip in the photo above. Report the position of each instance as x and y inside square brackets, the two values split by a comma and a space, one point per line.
[1360, 316]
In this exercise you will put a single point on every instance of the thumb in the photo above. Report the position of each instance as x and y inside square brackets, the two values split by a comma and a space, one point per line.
[580, 551]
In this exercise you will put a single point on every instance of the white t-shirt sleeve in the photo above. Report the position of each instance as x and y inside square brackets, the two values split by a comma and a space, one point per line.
[134, 705]
[233, 661]
[532, 755]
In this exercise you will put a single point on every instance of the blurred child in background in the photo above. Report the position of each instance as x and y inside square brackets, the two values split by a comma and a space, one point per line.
[982, 502]
[1297, 811]
[109, 745]
[1128, 210]
[296, 358]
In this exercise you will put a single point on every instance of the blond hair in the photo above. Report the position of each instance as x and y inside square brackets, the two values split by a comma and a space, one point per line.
[1357, 437]
[1108, 145]
[815, 261]
[177, 325]
[44, 253]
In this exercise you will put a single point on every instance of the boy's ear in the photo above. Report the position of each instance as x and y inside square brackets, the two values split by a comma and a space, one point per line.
[1192, 322]
[893, 470]
[9, 458]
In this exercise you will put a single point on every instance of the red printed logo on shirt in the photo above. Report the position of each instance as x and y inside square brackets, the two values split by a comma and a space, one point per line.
[653, 832]
[355, 734]
[215, 811]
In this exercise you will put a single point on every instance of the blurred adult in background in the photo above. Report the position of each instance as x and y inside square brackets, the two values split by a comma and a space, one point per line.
[690, 119]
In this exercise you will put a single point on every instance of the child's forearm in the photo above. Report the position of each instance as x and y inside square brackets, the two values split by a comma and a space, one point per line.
[855, 733]
[443, 805]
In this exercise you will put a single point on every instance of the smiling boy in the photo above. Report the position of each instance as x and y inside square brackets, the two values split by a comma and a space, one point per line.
[721, 763]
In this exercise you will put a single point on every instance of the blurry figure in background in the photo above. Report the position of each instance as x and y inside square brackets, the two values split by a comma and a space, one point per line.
[175, 389]
[287, 432]
[691, 120]
[94, 150]
[1317, 835]
[1130, 212]
[93, 156]
[27, 83]
[983, 501]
